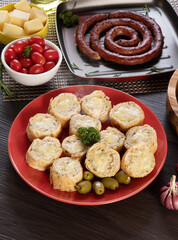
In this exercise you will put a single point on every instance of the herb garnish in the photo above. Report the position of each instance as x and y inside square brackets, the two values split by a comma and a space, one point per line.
[89, 135]
[155, 69]
[76, 67]
[3, 86]
[146, 8]
[90, 73]
[26, 52]
[68, 18]
[117, 74]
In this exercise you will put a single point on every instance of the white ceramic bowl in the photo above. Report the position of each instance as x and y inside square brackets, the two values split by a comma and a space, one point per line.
[32, 79]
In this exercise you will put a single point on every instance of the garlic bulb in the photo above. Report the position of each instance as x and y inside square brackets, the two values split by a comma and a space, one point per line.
[169, 194]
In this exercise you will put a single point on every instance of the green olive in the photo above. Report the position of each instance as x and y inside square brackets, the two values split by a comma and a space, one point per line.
[98, 187]
[110, 183]
[123, 177]
[84, 187]
[87, 175]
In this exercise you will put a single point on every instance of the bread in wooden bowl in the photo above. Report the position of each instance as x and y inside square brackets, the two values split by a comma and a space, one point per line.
[65, 173]
[42, 152]
[102, 160]
[42, 125]
[113, 137]
[96, 105]
[126, 115]
[73, 147]
[63, 107]
[138, 161]
[80, 120]
[139, 134]
[172, 101]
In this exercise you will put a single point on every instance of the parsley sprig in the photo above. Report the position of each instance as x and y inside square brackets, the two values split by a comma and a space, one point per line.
[88, 136]
[68, 18]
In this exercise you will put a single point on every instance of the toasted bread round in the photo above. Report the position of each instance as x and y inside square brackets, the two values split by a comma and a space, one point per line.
[102, 160]
[79, 120]
[63, 107]
[73, 147]
[113, 137]
[126, 115]
[138, 161]
[42, 153]
[42, 125]
[143, 133]
[65, 173]
[96, 105]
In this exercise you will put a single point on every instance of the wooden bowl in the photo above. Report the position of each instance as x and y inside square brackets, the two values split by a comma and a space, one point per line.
[172, 101]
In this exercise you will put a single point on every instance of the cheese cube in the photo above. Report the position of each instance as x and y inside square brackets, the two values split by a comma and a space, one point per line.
[23, 6]
[13, 30]
[10, 13]
[4, 17]
[33, 26]
[38, 13]
[19, 18]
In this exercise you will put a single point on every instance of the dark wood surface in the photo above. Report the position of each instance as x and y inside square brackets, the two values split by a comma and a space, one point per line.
[28, 215]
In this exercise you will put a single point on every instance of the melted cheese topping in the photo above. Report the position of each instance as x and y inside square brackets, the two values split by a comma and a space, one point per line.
[46, 148]
[73, 145]
[101, 160]
[44, 122]
[126, 114]
[142, 134]
[95, 105]
[112, 137]
[79, 120]
[67, 167]
[139, 160]
[65, 104]
[109, 137]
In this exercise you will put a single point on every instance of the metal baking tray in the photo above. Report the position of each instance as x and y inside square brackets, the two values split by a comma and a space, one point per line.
[82, 67]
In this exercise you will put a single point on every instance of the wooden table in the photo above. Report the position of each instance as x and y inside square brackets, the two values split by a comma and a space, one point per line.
[27, 215]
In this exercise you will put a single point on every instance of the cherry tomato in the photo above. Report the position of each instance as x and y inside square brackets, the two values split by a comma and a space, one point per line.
[49, 65]
[26, 62]
[15, 65]
[24, 70]
[51, 55]
[37, 39]
[36, 69]
[11, 46]
[20, 45]
[38, 58]
[46, 47]
[36, 48]
[9, 55]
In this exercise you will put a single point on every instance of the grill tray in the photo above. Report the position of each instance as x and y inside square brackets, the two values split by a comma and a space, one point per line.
[160, 10]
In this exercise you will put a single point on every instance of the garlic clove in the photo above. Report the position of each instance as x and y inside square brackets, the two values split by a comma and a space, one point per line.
[163, 196]
[163, 189]
[175, 201]
[168, 203]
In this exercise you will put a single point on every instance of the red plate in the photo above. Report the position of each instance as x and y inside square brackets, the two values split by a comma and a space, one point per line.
[18, 145]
